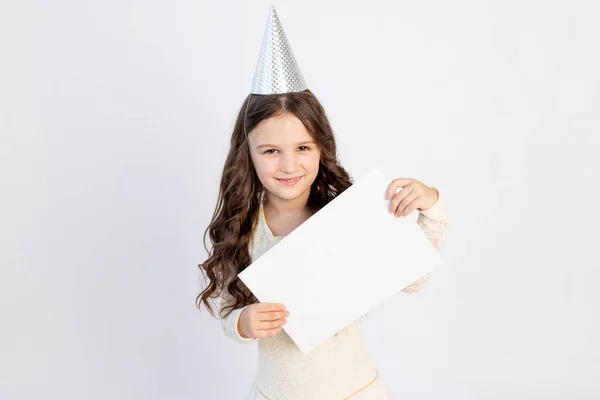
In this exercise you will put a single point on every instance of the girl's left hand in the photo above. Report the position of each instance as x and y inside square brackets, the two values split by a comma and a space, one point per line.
[414, 195]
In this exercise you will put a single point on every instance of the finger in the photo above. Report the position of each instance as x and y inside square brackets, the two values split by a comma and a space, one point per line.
[399, 197]
[396, 184]
[268, 333]
[269, 307]
[273, 315]
[268, 325]
[410, 207]
[408, 199]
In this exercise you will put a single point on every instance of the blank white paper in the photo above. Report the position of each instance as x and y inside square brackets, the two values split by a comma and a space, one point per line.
[342, 262]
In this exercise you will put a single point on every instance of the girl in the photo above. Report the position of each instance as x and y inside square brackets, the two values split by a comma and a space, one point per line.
[282, 168]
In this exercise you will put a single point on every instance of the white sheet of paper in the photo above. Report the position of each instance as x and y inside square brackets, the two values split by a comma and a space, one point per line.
[342, 262]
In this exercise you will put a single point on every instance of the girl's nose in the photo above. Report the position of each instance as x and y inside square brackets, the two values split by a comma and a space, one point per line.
[288, 163]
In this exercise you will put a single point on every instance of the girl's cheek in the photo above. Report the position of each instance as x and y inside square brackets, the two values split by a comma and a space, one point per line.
[271, 167]
[267, 171]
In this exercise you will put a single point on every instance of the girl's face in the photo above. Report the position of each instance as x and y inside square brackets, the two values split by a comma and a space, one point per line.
[285, 156]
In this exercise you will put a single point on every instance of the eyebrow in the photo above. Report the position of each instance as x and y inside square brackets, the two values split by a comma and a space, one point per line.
[297, 144]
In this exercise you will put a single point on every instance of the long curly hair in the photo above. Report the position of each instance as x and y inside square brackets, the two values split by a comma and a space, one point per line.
[240, 193]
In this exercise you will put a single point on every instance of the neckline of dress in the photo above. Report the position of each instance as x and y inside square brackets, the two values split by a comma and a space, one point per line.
[264, 222]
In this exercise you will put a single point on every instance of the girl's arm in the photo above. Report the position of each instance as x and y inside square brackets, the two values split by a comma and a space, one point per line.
[434, 222]
[229, 324]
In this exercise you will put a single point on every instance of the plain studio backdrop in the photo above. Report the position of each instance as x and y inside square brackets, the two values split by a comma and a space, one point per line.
[115, 118]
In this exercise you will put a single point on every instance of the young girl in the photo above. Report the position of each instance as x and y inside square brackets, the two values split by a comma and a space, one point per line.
[282, 168]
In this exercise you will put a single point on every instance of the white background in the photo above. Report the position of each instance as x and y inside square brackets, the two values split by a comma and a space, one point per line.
[115, 119]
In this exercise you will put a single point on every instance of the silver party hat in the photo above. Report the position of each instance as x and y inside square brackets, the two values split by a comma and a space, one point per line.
[277, 70]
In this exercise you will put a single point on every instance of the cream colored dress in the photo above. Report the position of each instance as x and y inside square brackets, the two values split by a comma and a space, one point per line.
[338, 369]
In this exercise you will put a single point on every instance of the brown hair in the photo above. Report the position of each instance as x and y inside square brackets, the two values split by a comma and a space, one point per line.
[240, 193]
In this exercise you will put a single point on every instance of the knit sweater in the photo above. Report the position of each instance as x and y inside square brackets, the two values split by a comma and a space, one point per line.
[340, 367]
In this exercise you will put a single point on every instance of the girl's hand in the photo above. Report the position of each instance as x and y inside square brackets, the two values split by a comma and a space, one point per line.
[261, 320]
[414, 195]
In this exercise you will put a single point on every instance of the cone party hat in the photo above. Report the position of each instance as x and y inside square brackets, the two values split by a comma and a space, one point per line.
[277, 70]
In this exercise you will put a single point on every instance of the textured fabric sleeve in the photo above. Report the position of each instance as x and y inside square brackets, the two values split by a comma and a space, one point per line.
[434, 223]
[229, 324]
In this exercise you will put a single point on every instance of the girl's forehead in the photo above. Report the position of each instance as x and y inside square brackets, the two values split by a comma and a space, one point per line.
[280, 129]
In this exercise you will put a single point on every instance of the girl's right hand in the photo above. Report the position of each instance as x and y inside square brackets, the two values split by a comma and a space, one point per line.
[261, 320]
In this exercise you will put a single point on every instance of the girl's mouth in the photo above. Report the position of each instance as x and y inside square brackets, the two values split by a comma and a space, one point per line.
[290, 182]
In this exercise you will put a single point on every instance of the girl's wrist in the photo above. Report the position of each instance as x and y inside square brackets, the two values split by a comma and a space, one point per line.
[435, 197]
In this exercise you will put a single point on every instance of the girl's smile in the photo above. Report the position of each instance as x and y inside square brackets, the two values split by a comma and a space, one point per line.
[290, 182]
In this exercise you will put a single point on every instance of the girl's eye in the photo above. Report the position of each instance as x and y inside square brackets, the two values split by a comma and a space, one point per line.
[272, 151]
